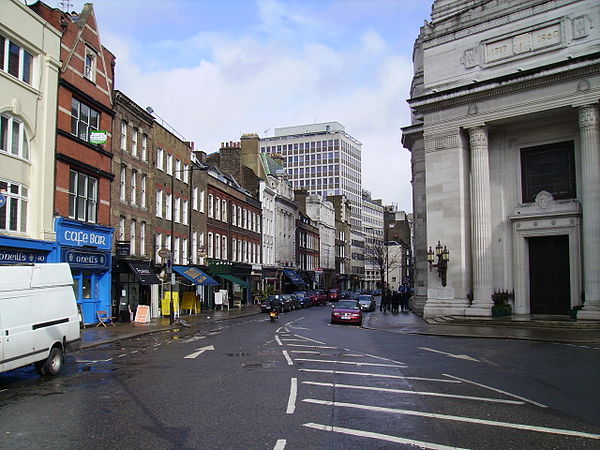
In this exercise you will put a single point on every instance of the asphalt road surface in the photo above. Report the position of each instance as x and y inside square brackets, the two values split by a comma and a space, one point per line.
[303, 383]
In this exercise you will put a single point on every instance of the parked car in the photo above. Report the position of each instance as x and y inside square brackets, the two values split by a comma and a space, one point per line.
[354, 295]
[367, 302]
[295, 301]
[333, 295]
[265, 305]
[287, 303]
[377, 292]
[346, 311]
[305, 302]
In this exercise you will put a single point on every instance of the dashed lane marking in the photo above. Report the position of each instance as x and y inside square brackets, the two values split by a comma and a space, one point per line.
[280, 444]
[424, 393]
[493, 423]
[451, 355]
[278, 340]
[378, 436]
[353, 363]
[311, 346]
[311, 352]
[291, 406]
[496, 390]
[379, 375]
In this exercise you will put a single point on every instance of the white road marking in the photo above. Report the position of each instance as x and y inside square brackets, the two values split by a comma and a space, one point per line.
[402, 391]
[305, 351]
[278, 340]
[291, 406]
[379, 357]
[292, 339]
[378, 375]
[300, 328]
[288, 359]
[352, 354]
[493, 423]
[496, 390]
[310, 346]
[309, 339]
[354, 363]
[452, 355]
[278, 330]
[280, 444]
[132, 352]
[199, 352]
[379, 436]
[193, 339]
[295, 320]
[213, 333]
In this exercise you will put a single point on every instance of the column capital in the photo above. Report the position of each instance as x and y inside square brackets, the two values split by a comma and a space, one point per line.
[478, 135]
[588, 116]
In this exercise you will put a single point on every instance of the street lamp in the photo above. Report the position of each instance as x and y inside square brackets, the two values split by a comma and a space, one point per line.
[443, 256]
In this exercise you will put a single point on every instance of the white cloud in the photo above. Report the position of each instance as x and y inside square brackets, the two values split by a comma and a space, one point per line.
[239, 84]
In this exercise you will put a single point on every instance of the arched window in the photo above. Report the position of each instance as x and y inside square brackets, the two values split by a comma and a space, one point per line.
[13, 139]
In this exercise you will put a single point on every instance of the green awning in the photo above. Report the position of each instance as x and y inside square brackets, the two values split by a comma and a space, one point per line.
[236, 280]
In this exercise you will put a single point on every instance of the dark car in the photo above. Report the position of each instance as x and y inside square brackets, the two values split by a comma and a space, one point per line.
[305, 302]
[367, 302]
[287, 303]
[295, 301]
[265, 305]
[346, 311]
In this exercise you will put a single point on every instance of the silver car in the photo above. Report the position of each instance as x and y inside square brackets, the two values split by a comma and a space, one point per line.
[367, 302]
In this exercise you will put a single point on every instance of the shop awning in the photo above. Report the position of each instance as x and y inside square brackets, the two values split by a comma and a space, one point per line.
[236, 280]
[195, 275]
[294, 277]
[143, 272]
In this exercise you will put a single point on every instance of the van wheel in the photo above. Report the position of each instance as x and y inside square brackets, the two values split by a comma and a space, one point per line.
[51, 365]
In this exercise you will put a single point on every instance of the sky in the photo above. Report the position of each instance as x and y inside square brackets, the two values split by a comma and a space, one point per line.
[216, 69]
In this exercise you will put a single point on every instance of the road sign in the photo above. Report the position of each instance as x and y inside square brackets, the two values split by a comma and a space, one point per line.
[163, 252]
[2, 200]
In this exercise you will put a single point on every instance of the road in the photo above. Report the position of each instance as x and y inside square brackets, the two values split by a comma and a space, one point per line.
[303, 383]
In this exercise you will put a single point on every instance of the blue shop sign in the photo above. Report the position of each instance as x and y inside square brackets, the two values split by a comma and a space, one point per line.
[12, 256]
[76, 234]
[86, 260]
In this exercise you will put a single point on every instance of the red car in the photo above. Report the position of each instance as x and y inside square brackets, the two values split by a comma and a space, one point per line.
[346, 311]
[333, 295]
[317, 298]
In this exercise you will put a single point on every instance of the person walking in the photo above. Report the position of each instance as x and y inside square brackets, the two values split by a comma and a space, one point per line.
[404, 297]
[395, 301]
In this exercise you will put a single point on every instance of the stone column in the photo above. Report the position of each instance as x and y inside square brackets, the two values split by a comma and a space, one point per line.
[590, 203]
[481, 226]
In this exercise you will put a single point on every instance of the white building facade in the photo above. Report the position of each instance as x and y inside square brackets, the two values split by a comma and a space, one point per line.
[29, 69]
[506, 156]
[323, 159]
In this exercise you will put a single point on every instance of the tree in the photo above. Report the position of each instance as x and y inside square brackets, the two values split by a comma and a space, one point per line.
[377, 252]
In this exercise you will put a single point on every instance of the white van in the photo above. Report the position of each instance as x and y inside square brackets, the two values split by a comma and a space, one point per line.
[39, 319]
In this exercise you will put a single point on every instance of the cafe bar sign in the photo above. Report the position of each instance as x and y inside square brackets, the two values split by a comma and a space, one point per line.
[74, 234]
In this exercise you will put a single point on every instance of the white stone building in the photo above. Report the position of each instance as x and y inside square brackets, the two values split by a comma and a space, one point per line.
[506, 156]
[29, 66]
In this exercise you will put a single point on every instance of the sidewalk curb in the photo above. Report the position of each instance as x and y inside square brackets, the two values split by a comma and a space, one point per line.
[142, 331]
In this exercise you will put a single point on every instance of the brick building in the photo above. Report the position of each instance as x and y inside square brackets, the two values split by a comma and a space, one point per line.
[132, 209]
[83, 161]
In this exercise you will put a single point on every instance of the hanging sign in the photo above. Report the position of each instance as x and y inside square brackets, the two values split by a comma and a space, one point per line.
[98, 137]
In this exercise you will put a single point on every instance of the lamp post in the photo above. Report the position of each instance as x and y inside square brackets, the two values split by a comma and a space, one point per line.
[172, 219]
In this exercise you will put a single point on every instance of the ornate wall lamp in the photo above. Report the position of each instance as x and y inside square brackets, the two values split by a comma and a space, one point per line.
[443, 256]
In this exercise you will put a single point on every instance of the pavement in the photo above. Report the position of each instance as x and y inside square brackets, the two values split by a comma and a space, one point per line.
[515, 327]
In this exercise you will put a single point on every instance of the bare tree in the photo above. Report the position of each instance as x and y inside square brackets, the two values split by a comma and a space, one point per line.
[378, 254]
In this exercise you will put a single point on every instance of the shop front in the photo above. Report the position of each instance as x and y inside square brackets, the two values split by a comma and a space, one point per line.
[87, 249]
[189, 297]
[15, 250]
[134, 283]
[292, 282]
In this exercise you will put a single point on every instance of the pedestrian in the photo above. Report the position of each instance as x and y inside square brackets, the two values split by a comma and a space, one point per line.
[385, 301]
[395, 302]
[404, 298]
